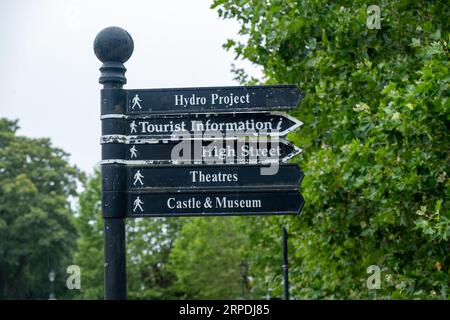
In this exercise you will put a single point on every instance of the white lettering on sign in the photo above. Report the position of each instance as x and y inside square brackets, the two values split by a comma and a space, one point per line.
[218, 203]
[247, 125]
[193, 100]
[251, 151]
[229, 100]
[192, 203]
[245, 151]
[223, 202]
[200, 177]
[214, 99]
[218, 152]
[147, 127]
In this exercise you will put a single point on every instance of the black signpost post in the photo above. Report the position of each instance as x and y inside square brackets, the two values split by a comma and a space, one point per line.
[189, 152]
[113, 46]
[284, 243]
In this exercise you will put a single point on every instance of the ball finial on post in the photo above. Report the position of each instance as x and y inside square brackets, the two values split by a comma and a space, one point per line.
[113, 46]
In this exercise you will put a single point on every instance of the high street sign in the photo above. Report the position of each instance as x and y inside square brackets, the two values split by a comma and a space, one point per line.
[199, 152]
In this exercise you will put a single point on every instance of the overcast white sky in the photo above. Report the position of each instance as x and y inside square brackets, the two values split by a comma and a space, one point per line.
[49, 73]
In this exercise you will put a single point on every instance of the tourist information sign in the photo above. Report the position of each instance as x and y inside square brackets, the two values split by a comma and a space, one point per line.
[120, 128]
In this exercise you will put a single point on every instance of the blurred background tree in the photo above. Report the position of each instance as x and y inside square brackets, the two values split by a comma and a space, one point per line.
[37, 232]
[209, 259]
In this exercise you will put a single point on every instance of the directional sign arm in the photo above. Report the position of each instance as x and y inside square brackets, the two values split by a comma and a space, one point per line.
[225, 177]
[193, 152]
[212, 99]
[213, 203]
[198, 126]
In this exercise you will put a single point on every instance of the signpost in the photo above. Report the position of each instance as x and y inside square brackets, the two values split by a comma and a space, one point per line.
[188, 152]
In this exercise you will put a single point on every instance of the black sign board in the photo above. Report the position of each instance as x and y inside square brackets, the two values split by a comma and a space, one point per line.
[212, 99]
[234, 177]
[199, 152]
[117, 129]
[138, 175]
[213, 203]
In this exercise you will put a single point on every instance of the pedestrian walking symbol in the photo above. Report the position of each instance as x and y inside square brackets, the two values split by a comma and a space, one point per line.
[138, 204]
[133, 151]
[138, 178]
[133, 127]
[136, 102]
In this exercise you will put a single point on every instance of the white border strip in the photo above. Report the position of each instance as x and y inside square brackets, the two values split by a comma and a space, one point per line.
[180, 115]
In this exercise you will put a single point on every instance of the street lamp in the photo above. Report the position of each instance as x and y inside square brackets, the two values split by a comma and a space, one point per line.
[244, 270]
[51, 277]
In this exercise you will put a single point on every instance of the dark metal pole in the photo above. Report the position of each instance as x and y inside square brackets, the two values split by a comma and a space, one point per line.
[285, 264]
[115, 260]
[113, 46]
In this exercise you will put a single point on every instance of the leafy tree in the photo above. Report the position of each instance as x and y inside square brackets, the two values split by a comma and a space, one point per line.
[149, 243]
[37, 233]
[376, 159]
[89, 252]
[209, 259]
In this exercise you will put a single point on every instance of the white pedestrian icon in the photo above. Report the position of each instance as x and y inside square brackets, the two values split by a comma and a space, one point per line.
[136, 101]
[133, 151]
[138, 204]
[138, 178]
[133, 126]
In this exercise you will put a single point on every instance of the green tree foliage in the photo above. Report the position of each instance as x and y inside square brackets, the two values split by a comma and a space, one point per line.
[209, 259]
[376, 159]
[89, 252]
[37, 233]
[149, 243]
